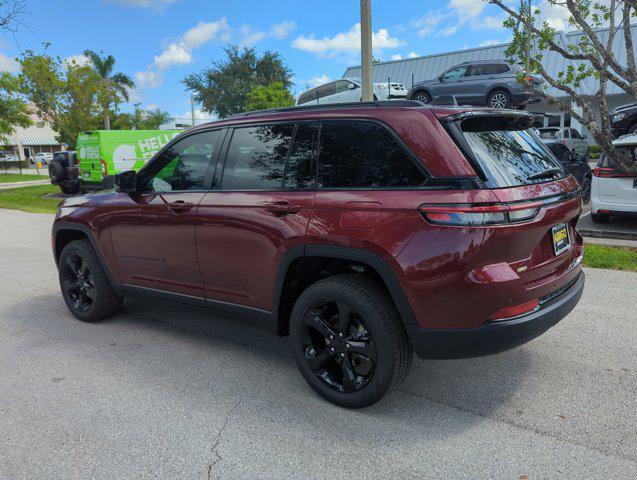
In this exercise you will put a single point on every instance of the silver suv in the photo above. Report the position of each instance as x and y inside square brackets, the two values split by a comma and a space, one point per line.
[491, 83]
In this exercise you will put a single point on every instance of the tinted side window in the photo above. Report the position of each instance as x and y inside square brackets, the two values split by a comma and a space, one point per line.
[342, 85]
[565, 133]
[325, 90]
[575, 134]
[455, 73]
[502, 68]
[307, 96]
[256, 157]
[363, 155]
[300, 171]
[184, 165]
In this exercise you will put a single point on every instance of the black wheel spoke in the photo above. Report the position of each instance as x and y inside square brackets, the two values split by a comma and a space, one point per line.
[71, 262]
[344, 315]
[364, 349]
[91, 293]
[318, 361]
[322, 326]
[349, 376]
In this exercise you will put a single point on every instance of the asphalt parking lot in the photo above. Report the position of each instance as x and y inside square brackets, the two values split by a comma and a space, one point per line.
[171, 392]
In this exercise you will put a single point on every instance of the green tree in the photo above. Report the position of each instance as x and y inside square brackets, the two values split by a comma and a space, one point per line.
[66, 95]
[13, 109]
[140, 119]
[113, 85]
[588, 55]
[274, 95]
[222, 89]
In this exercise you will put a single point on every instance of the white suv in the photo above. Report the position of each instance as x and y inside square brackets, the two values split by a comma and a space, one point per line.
[613, 190]
[569, 137]
[349, 90]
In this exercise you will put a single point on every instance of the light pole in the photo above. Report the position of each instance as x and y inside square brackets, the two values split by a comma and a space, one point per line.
[366, 50]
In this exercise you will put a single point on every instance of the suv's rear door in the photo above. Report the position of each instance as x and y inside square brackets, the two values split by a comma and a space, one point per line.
[615, 184]
[260, 211]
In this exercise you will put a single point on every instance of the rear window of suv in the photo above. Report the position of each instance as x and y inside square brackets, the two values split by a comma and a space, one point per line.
[508, 153]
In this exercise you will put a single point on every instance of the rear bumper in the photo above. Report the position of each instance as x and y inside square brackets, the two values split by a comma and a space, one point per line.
[496, 336]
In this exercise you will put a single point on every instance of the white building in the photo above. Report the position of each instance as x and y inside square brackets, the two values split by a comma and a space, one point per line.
[39, 137]
[410, 70]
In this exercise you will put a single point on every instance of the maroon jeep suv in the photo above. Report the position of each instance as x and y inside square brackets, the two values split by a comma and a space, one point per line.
[363, 231]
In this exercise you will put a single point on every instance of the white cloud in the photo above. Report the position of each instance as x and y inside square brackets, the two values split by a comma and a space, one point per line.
[204, 32]
[152, 106]
[318, 80]
[250, 36]
[396, 56]
[148, 79]
[427, 23]
[80, 60]
[345, 42]
[490, 42]
[175, 54]
[154, 4]
[447, 31]
[283, 29]
[8, 64]
[412, 55]
[472, 8]
[555, 15]
[489, 22]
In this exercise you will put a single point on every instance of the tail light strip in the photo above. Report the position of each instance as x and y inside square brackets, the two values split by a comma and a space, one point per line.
[467, 214]
[604, 172]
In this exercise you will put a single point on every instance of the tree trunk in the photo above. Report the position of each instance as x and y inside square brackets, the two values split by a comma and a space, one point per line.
[107, 120]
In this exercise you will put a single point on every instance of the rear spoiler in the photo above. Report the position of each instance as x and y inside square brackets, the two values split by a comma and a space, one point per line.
[510, 119]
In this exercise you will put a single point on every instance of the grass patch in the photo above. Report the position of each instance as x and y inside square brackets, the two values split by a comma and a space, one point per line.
[616, 258]
[29, 199]
[16, 177]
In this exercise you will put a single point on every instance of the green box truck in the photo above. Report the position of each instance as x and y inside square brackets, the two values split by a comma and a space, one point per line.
[101, 154]
[104, 153]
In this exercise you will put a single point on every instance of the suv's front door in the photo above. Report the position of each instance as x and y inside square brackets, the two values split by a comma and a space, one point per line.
[153, 232]
[451, 83]
[260, 212]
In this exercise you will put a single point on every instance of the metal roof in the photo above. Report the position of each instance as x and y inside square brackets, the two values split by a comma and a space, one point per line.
[430, 66]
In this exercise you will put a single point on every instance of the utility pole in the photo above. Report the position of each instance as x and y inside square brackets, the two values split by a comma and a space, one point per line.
[366, 50]
[192, 108]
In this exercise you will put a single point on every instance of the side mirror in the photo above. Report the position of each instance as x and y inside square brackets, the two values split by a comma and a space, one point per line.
[126, 182]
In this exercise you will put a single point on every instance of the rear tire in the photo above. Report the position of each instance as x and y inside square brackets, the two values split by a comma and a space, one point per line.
[348, 340]
[600, 218]
[422, 97]
[56, 172]
[499, 99]
[86, 289]
[586, 191]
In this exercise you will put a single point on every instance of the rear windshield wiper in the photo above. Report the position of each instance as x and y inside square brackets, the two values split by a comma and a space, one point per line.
[549, 172]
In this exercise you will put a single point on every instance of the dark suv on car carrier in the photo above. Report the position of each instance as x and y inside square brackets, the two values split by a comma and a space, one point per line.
[363, 231]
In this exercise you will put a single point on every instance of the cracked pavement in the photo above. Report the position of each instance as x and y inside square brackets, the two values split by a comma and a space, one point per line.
[164, 391]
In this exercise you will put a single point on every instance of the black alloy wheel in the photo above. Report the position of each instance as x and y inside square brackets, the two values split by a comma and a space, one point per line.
[337, 346]
[78, 284]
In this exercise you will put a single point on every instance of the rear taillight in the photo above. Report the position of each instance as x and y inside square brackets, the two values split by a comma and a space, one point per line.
[104, 169]
[516, 310]
[604, 172]
[480, 215]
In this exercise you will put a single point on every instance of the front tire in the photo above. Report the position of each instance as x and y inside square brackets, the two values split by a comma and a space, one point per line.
[85, 287]
[422, 97]
[348, 340]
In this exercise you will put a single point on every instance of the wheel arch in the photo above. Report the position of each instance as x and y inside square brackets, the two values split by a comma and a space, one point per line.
[496, 87]
[67, 232]
[420, 89]
[302, 266]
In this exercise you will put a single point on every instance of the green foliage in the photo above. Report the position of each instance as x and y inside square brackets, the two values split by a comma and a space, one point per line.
[67, 95]
[223, 88]
[140, 120]
[274, 95]
[113, 86]
[13, 109]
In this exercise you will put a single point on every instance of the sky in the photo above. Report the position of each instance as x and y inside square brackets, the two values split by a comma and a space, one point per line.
[159, 42]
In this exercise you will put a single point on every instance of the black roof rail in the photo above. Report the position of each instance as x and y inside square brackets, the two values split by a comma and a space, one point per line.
[331, 106]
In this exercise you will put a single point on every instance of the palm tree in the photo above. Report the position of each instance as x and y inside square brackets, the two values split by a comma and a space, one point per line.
[115, 84]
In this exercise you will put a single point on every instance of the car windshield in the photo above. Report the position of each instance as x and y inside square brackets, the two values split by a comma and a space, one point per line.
[549, 134]
[509, 156]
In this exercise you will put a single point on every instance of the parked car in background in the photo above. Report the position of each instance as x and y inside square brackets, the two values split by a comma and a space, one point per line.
[576, 165]
[43, 157]
[614, 190]
[624, 120]
[363, 231]
[64, 171]
[491, 83]
[346, 90]
[569, 137]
